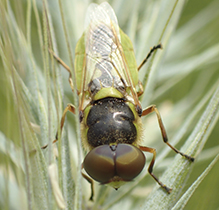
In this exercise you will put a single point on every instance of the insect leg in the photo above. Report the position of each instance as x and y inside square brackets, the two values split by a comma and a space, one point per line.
[90, 181]
[66, 67]
[159, 46]
[150, 168]
[153, 108]
[70, 108]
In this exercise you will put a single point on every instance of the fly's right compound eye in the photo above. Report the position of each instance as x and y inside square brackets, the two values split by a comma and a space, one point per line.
[99, 163]
[106, 164]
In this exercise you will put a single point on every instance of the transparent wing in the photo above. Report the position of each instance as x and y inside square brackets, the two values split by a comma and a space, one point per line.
[101, 13]
[105, 61]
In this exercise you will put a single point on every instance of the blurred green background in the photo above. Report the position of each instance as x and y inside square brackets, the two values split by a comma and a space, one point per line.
[187, 72]
[205, 197]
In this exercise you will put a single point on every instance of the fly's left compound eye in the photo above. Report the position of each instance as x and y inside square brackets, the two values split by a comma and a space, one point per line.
[129, 161]
[105, 162]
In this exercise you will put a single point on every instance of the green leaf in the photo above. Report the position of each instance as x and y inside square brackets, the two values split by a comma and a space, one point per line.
[187, 195]
[177, 173]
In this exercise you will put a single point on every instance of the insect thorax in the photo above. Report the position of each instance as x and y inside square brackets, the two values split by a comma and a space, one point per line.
[110, 120]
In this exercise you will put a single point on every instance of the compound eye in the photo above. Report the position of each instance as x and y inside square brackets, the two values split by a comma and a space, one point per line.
[99, 164]
[129, 161]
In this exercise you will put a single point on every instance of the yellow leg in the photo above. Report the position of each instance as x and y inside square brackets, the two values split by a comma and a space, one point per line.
[66, 67]
[90, 181]
[153, 108]
[70, 108]
[150, 168]
[159, 46]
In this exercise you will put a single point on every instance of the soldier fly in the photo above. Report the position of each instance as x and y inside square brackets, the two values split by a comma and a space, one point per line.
[110, 111]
